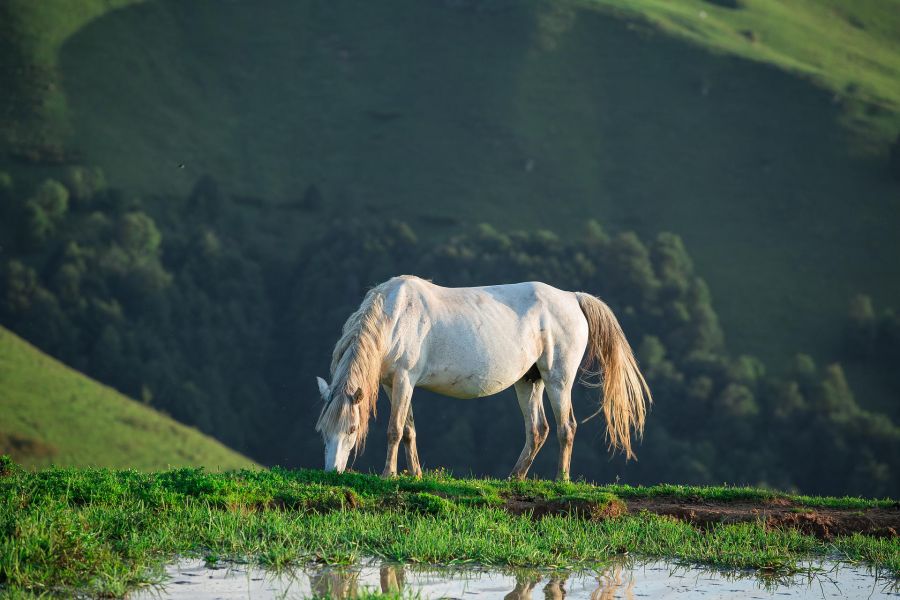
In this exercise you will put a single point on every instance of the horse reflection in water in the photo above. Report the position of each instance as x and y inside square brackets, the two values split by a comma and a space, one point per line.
[344, 583]
[334, 583]
[391, 577]
[524, 585]
[609, 584]
[526, 582]
[613, 580]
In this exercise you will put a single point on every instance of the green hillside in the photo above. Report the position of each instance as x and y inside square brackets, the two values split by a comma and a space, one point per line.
[688, 117]
[50, 414]
[850, 48]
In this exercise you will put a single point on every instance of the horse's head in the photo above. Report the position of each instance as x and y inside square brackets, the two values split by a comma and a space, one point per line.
[339, 425]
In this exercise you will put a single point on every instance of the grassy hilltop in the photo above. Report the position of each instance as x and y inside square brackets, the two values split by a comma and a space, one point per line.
[50, 414]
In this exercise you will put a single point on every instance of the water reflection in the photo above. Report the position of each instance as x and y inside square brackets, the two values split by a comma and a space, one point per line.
[340, 583]
[524, 585]
[616, 578]
[620, 580]
[335, 583]
[391, 577]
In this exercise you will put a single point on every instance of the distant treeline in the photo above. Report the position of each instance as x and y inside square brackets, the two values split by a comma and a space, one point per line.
[201, 315]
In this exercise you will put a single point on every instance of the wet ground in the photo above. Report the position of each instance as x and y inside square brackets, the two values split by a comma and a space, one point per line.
[194, 579]
[822, 522]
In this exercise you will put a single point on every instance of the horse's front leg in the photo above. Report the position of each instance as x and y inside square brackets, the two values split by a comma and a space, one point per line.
[409, 444]
[409, 437]
[401, 397]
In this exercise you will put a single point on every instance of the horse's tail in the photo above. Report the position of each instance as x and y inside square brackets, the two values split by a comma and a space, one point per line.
[626, 395]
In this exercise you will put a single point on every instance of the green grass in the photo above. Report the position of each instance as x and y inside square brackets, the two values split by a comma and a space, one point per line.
[490, 492]
[104, 532]
[51, 414]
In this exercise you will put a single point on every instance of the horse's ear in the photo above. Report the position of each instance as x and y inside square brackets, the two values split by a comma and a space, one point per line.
[323, 387]
[357, 396]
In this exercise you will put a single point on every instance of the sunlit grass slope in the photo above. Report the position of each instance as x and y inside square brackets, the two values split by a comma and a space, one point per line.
[851, 48]
[50, 413]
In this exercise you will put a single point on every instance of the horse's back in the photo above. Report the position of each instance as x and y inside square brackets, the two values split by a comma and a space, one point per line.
[510, 303]
[511, 294]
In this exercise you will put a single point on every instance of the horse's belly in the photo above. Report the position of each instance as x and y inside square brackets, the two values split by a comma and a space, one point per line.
[477, 356]
[465, 386]
[468, 378]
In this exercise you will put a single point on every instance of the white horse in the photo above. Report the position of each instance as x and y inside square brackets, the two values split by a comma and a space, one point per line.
[473, 342]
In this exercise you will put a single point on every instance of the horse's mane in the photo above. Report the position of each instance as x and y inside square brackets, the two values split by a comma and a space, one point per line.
[356, 368]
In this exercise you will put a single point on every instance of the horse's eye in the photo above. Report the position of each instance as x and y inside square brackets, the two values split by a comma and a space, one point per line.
[352, 429]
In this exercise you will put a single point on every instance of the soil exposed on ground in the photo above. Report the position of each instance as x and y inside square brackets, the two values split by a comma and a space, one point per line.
[821, 522]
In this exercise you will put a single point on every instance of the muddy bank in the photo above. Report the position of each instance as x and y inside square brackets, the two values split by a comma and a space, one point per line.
[823, 523]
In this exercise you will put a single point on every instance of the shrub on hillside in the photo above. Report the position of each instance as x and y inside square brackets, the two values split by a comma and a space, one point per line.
[45, 210]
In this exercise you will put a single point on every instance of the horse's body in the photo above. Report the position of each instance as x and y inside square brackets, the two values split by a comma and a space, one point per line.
[473, 342]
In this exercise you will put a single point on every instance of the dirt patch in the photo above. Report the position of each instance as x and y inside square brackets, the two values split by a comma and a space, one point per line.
[823, 523]
[20, 447]
[576, 507]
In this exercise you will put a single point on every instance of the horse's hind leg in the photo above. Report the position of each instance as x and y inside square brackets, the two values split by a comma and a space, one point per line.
[560, 396]
[531, 401]
[409, 445]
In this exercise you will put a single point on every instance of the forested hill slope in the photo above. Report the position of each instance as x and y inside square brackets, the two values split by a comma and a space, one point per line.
[195, 195]
[50, 414]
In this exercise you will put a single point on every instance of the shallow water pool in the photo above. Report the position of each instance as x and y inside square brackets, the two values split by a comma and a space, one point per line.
[192, 578]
